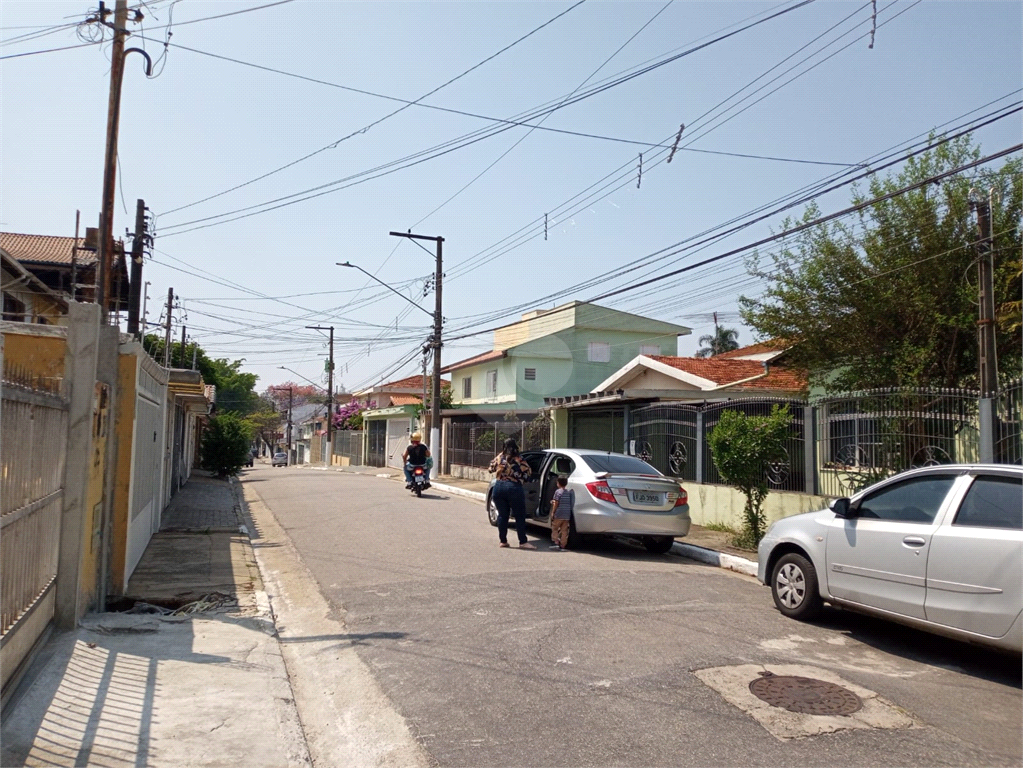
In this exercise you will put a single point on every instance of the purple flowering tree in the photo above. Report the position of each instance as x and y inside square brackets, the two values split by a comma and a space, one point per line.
[349, 416]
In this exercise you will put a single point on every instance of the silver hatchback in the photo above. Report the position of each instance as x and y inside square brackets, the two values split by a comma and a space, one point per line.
[939, 548]
[614, 494]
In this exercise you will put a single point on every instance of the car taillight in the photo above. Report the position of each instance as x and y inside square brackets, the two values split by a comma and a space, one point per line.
[683, 497]
[601, 490]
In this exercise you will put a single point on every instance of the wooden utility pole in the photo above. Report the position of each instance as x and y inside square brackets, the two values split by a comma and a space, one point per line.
[135, 280]
[105, 247]
[167, 328]
[987, 357]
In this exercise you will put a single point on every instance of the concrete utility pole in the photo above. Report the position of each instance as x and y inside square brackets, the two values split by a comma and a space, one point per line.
[987, 356]
[438, 323]
[330, 392]
[182, 347]
[291, 400]
[135, 279]
[167, 328]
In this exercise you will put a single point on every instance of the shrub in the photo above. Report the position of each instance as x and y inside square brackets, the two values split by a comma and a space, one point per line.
[226, 444]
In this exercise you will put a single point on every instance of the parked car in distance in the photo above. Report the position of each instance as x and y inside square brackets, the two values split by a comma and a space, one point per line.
[279, 460]
[251, 459]
[614, 494]
[939, 548]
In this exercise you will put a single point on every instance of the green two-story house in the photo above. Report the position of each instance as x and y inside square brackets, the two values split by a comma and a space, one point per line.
[559, 352]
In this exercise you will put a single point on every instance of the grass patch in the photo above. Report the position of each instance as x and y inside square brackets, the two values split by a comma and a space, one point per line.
[720, 528]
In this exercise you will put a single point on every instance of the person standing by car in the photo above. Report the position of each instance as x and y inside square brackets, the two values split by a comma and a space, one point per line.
[509, 496]
[416, 455]
[561, 513]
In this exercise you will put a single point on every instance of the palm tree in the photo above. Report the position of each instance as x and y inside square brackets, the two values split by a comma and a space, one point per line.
[722, 340]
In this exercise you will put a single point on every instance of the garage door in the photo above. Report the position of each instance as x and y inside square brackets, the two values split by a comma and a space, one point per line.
[599, 430]
[397, 439]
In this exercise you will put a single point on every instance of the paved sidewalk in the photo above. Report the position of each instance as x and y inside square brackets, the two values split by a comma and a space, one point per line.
[205, 687]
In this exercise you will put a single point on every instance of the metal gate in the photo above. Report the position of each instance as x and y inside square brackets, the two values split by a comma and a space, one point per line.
[599, 430]
[377, 443]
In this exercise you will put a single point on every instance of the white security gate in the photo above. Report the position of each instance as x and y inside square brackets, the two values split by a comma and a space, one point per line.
[398, 431]
[147, 478]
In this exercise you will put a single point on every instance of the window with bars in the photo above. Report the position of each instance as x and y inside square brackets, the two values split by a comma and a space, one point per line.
[467, 387]
[491, 383]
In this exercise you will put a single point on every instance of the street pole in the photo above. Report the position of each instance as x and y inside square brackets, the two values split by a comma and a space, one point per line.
[167, 328]
[291, 393]
[987, 357]
[182, 346]
[135, 279]
[330, 391]
[105, 247]
[435, 342]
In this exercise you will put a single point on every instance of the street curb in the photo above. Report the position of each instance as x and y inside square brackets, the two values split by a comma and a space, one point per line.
[264, 620]
[454, 489]
[713, 557]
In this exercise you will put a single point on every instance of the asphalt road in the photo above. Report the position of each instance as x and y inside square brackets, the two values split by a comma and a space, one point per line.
[504, 657]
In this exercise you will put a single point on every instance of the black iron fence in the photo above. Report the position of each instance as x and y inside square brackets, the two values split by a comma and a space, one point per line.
[475, 444]
[840, 444]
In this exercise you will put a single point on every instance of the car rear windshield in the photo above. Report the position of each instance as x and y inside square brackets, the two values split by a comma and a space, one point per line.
[618, 464]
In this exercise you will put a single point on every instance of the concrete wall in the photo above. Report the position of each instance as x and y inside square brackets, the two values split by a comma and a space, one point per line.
[36, 349]
[469, 473]
[723, 504]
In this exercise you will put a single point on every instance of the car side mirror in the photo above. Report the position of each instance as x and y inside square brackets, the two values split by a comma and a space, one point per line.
[841, 508]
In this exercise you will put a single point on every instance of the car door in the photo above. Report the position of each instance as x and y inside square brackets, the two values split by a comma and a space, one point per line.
[559, 464]
[974, 571]
[878, 557]
[532, 486]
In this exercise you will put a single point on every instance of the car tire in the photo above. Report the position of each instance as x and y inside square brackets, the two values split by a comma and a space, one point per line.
[658, 545]
[491, 511]
[794, 587]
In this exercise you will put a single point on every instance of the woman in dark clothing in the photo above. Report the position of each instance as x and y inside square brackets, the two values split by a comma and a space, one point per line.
[509, 496]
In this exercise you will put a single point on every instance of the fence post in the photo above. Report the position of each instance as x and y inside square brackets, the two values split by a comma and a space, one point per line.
[810, 448]
[988, 428]
[699, 446]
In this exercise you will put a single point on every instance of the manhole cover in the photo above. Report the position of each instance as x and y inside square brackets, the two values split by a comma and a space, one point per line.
[805, 695]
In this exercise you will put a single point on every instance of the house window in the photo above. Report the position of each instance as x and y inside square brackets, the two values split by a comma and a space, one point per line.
[467, 387]
[650, 349]
[14, 309]
[598, 352]
[530, 374]
[491, 383]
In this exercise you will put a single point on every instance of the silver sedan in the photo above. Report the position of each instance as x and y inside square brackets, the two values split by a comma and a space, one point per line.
[614, 494]
[939, 548]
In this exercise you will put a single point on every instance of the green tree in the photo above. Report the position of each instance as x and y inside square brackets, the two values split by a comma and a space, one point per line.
[236, 390]
[889, 297]
[226, 443]
[742, 446]
[722, 340]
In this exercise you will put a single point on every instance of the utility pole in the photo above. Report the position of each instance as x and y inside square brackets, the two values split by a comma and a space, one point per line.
[105, 247]
[135, 279]
[330, 392]
[435, 341]
[182, 346]
[987, 357]
[167, 328]
[291, 398]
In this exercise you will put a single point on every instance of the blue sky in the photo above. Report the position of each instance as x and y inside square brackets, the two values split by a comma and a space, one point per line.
[204, 125]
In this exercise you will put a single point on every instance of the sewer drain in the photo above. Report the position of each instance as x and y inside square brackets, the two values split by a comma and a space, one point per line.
[805, 695]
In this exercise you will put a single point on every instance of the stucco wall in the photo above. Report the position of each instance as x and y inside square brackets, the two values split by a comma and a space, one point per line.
[36, 349]
[723, 504]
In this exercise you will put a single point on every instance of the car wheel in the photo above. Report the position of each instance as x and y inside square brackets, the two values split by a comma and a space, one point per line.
[491, 511]
[794, 587]
[658, 545]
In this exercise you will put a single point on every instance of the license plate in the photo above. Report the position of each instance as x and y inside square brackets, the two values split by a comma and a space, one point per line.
[639, 497]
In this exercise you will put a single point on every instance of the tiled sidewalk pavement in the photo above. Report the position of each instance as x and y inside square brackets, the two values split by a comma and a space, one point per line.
[203, 503]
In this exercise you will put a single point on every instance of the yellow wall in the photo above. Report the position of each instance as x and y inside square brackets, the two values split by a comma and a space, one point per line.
[38, 355]
[124, 432]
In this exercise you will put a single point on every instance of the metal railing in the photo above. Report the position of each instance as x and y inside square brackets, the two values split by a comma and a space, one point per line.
[1008, 418]
[33, 429]
[867, 436]
[349, 443]
[475, 444]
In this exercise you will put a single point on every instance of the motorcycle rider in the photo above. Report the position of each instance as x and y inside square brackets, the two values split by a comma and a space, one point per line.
[416, 455]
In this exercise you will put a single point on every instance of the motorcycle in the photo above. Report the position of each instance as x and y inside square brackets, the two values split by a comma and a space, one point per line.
[419, 481]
